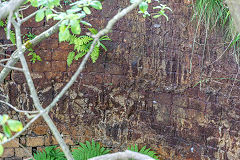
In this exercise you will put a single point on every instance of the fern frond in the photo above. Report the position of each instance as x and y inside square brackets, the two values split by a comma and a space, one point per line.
[88, 150]
[143, 150]
[93, 30]
[82, 40]
[95, 54]
[70, 58]
[49, 153]
[80, 55]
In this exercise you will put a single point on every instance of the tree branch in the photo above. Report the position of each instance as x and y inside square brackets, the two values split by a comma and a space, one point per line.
[23, 130]
[34, 95]
[14, 58]
[11, 6]
[17, 110]
[11, 68]
[96, 37]
[30, 16]
[123, 156]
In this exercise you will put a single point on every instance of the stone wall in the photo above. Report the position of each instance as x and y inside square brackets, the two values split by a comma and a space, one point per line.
[140, 91]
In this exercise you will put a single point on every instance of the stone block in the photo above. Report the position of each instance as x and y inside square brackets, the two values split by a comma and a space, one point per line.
[20, 152]
[41, 129]
[35, 141]
[8, 152]
[59, 66]
[12, 144]
[50, 140]
[59, 55]
[42, 66]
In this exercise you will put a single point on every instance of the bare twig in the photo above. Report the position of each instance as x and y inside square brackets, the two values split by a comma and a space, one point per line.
[17, 110]
[24, 148]
[30, 16]
[12, 68]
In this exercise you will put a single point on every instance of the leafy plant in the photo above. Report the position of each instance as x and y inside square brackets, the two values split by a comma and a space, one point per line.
[82, 45]
[12, 34]
[29, 36]
[143, 150]
[162, 11]
[216, 14]
[89, 150]
[49, 153]
[34, 55]
[8, 126]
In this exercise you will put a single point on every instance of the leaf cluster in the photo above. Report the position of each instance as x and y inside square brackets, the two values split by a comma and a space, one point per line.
[87, 150]
[12, 34]
[35, 56]
[82, 45]
[144, 150]
[8, 126]
[49, 153]
[215, 14]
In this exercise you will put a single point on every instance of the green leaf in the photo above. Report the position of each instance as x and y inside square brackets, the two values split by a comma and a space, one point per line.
[156, 16]
[143, 6]
[3, 119]
[96, 5]
[64, 33]
[48, 12]
[75, 26]
[70, 58]
[104, 47]
[86, 23]
[87, 10]
[40, 15]
[14, 125]
[7, 131]
[95, 54]
[2, 23]
[34, 3]
[1, 150]
[93, 30]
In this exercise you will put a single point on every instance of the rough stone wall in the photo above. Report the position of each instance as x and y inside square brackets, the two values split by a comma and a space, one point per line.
[140, 91]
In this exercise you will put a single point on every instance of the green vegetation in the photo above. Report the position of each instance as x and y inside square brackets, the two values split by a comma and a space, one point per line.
[89, 150]
[82, 45]
[9, 126]
[215, 14]
[144, 150]
[49, 153]
[86, 151]
[12, 34]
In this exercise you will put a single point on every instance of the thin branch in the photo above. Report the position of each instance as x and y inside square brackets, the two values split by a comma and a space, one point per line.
[23, 130]
[24, 148]
[14, 58]
[96, 37]
[9, 24]
[24, 7]
[30, 16]
[4, 60]
[11, 68]
[9, 7]
[34, 95]
[123, 156]
[17, 110]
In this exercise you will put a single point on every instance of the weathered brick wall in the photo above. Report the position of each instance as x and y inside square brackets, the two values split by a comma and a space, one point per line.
[140, 91]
